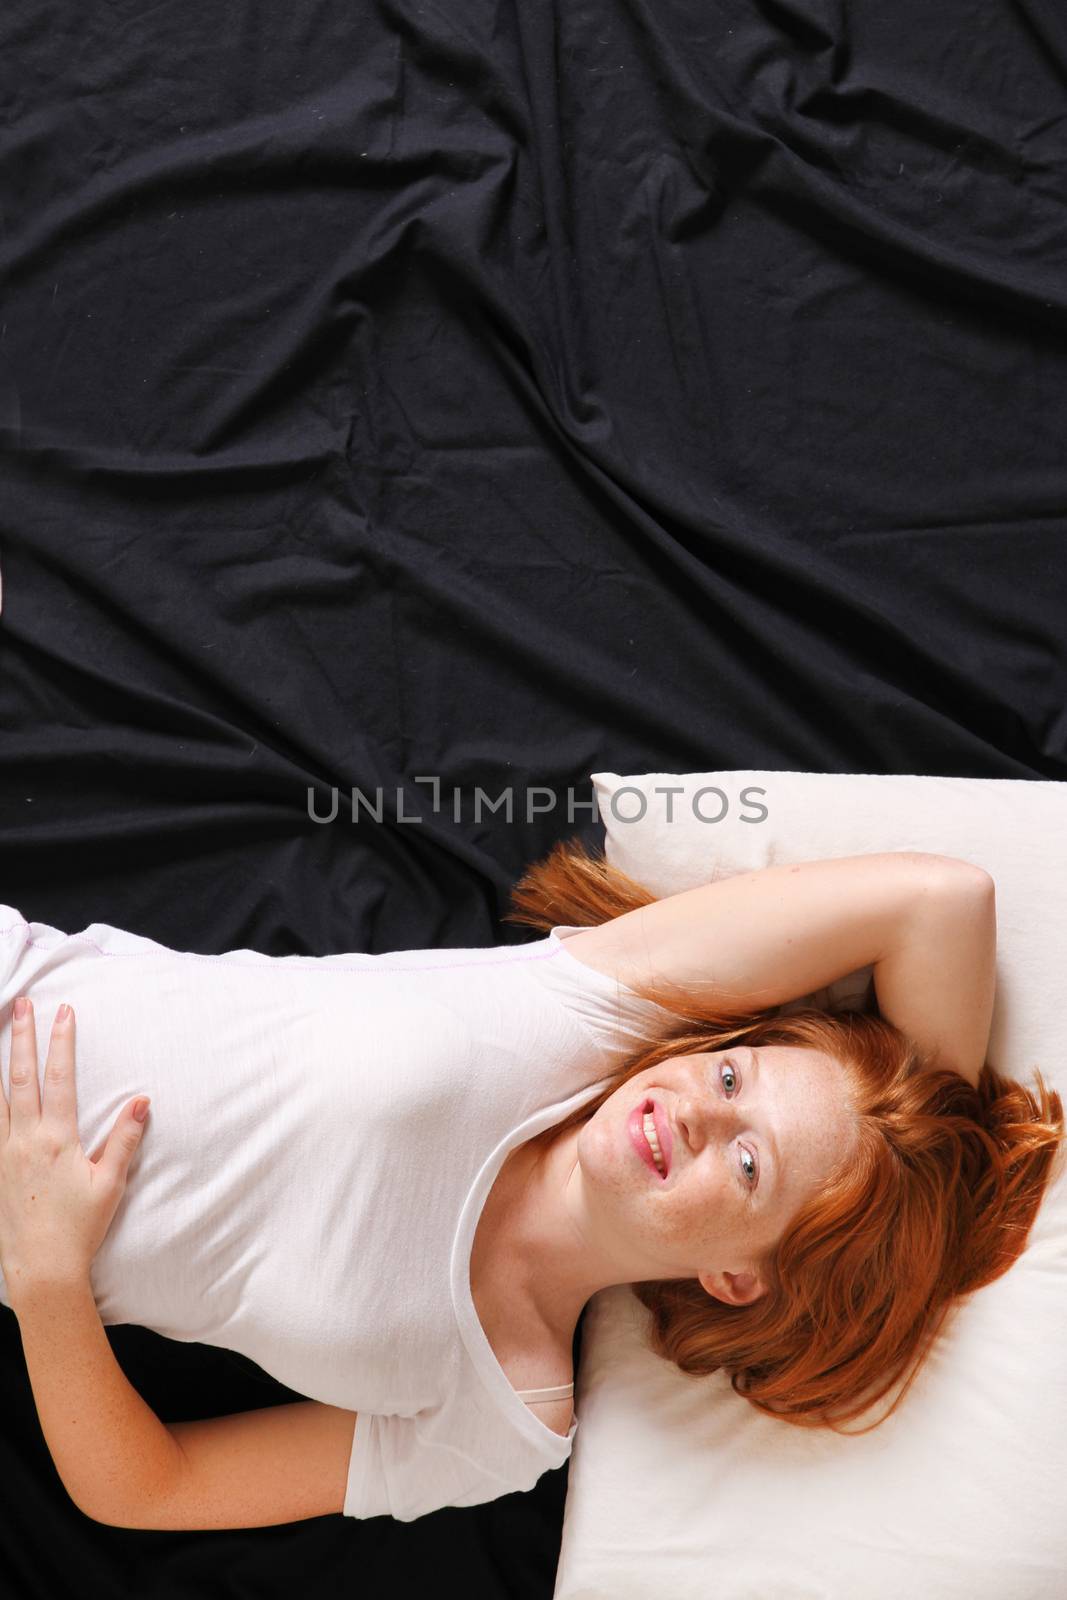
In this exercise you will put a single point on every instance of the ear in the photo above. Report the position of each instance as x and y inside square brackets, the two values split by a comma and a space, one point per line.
[734, 1288]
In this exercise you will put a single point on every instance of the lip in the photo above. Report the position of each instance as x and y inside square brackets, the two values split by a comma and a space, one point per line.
[639, 1142]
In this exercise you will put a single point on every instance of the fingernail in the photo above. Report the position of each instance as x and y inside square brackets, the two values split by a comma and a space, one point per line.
[63, 1013]
[140, 1110]
[22, 1005]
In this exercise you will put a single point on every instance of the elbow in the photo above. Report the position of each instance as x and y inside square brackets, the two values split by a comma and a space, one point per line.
[105, 1519]
[95, 1513]
[957, 893]
[979, 883]
[116, 1517]
[956, 874]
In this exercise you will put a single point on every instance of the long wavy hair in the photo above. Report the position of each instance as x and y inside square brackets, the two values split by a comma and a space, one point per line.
[937, 1201]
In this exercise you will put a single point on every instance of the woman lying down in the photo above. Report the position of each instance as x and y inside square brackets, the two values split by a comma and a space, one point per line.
[394, 1181]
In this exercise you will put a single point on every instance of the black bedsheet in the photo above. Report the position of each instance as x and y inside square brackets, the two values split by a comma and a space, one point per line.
[396, 395]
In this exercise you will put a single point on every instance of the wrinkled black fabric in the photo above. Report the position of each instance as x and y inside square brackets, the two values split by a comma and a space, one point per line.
[492, 394]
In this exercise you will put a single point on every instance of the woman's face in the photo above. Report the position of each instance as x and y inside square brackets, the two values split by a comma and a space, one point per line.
[750, 1135]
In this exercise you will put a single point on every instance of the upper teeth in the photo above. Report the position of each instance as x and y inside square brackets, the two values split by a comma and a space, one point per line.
[653, 1141]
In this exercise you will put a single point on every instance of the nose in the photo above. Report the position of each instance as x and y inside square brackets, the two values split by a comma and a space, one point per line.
[701, 1116]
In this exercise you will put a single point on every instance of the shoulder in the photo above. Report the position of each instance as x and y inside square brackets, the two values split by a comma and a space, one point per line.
[596, 948]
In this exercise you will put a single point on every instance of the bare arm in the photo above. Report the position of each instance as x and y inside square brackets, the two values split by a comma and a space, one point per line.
[122, 1466]
[108, 1445]
[118, 1462]
[256, 1468]
[925, 923]
[938, 983]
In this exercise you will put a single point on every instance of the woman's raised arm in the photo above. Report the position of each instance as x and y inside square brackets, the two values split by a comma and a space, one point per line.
[925, 923]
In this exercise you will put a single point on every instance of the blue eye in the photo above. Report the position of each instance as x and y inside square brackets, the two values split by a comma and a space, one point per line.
[751, 1172]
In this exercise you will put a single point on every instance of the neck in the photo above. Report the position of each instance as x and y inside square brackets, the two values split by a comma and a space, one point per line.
[550, 1261]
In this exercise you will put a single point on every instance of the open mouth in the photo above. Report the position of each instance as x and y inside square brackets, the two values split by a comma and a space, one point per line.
[650, 1137]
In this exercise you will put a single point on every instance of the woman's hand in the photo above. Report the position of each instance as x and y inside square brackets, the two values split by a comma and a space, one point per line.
[56, 1203]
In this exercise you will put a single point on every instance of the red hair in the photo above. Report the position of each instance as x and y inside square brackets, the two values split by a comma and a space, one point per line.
[936, 1201]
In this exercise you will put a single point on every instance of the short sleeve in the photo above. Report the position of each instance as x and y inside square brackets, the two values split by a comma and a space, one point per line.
[617, 1019]
[624, 1021]
[397, 1471]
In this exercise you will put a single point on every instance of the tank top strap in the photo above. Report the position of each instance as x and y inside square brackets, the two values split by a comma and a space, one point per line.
[563, 1392]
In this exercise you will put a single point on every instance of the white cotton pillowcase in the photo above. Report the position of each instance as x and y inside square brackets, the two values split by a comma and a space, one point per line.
[677, 1485]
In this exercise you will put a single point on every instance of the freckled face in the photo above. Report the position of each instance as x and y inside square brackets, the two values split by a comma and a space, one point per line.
[752, 1136]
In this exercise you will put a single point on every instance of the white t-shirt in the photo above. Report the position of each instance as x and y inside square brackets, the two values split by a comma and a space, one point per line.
[323, 1134]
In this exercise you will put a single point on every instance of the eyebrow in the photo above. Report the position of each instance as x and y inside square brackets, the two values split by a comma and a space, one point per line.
[754, 1064]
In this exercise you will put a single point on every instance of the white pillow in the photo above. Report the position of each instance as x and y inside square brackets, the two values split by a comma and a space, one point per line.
[679, 1487]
